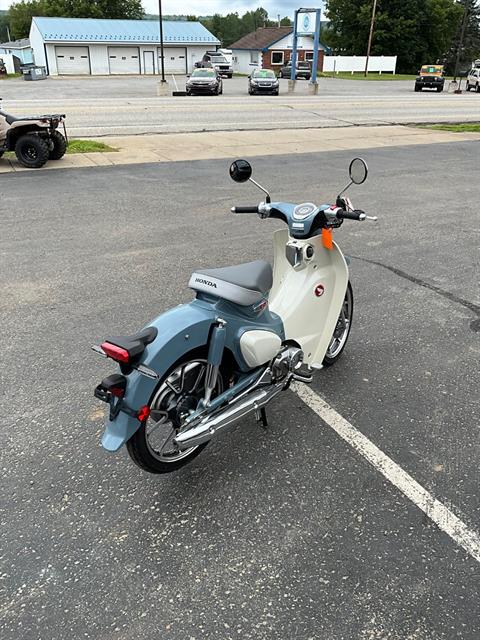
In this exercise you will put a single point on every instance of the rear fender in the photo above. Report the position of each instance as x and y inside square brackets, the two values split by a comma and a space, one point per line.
[180, 330]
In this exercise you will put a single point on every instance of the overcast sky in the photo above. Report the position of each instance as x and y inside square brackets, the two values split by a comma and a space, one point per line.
[207, 7]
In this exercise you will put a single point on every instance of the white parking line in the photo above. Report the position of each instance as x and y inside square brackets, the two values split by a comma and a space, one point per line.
[441, 515]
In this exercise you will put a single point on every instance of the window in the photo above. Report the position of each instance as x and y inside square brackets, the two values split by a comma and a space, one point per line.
[253, 57]
[308, 55]
[277, 57]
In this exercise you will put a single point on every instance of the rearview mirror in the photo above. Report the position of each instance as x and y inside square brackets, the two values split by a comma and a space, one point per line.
[240, 171]
[358, 171]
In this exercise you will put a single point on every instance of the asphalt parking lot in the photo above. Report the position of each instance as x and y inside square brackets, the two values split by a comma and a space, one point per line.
[124, 87]
[101, 106]
[287, 533]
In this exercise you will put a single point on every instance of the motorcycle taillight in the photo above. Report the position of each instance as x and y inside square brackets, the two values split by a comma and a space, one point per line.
[116, 353]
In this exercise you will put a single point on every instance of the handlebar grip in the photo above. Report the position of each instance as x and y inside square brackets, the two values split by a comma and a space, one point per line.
[245, 209]
[351, 215]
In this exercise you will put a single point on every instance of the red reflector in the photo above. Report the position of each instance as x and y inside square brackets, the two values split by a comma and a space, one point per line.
[116, 353]
[143, 413]
[117, 392]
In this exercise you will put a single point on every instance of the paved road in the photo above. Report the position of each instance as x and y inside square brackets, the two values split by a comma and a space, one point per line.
[283, 534]
[116, 106]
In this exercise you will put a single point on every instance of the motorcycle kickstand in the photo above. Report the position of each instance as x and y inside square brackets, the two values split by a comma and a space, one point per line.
[261, 416]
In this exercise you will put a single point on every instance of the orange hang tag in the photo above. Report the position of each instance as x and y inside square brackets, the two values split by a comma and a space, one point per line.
[327, 238]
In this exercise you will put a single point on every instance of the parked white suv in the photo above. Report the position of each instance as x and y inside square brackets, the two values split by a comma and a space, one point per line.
[218, 61]
[473, 80]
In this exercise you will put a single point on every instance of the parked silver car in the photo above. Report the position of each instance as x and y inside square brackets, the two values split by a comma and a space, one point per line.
[263, 81]
[204, 81]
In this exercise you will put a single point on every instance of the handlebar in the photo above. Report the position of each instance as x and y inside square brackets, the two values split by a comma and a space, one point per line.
[357, 214]
[245, 209]
[351, 215]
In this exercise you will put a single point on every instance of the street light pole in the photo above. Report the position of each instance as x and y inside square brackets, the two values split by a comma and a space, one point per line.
[160, 20]
[460, 43]
[374, 11]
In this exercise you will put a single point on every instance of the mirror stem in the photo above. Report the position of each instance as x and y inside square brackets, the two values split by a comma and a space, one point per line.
[345, 188]
[267, 199]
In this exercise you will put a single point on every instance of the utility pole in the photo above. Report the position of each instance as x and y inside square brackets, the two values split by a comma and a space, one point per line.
[160, 20]
[460, 44]
[370, 36]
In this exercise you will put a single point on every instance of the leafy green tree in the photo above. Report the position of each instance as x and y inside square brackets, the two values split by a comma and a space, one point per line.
[20, 16]
[232, 27]
[465, 46]
[21, 13]
[417, 31]
[4, 23]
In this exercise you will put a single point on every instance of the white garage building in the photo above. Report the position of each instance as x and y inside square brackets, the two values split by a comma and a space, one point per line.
[87, 46]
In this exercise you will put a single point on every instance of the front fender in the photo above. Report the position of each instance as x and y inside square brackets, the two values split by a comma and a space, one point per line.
[180, 330]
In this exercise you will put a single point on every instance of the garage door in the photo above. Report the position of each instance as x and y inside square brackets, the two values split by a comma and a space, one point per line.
[175, 60]
[73, 61]
[123, 60]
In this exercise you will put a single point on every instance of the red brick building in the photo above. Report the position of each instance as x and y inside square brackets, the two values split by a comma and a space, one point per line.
[271, 48]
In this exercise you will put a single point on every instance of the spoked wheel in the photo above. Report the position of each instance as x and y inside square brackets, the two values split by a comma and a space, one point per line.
[152, 447]
[342, 330]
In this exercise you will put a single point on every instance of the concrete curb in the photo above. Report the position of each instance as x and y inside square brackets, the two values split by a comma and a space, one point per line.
[179, 147]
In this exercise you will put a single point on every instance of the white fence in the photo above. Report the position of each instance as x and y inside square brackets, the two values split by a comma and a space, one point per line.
[380, 64]
[8, 60]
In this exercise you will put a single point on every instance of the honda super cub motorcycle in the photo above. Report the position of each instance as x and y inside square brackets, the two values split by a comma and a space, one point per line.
[199, 368]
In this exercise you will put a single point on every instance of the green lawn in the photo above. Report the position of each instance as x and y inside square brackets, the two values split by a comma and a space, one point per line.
[10, 75]
[88, 146]
[473, 127]
[79, 146]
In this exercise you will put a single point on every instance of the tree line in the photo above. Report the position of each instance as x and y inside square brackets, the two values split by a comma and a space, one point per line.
[416, 31]
[19, 16]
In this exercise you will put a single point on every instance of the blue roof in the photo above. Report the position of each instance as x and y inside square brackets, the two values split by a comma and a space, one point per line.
[96, 30]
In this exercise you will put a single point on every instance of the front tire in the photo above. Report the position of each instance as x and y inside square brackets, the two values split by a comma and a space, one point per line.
[342, 330]
[151, 447]
[32, 151]
[59, 146]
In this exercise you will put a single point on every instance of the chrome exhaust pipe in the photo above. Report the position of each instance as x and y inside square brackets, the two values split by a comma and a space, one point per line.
[226, 419]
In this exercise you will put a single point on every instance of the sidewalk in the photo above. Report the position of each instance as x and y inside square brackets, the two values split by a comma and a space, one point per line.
[234, 144]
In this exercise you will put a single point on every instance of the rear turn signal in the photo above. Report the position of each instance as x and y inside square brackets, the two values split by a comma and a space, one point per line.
[143, 413]
[116, 353]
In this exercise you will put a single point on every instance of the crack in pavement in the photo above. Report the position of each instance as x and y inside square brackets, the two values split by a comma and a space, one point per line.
[471, 306]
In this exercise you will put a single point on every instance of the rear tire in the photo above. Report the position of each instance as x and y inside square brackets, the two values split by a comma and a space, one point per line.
[59, 146]
[141, 446]
[342, 330]
[32, 151]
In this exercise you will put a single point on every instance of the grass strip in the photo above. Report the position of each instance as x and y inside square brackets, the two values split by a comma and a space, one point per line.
[78, 146]
[88, 146]
[472, 127]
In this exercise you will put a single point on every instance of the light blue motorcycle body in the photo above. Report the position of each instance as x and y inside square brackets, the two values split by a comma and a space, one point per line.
[182, 329]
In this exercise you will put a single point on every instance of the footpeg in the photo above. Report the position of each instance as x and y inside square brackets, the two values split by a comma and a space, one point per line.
[303, 374]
